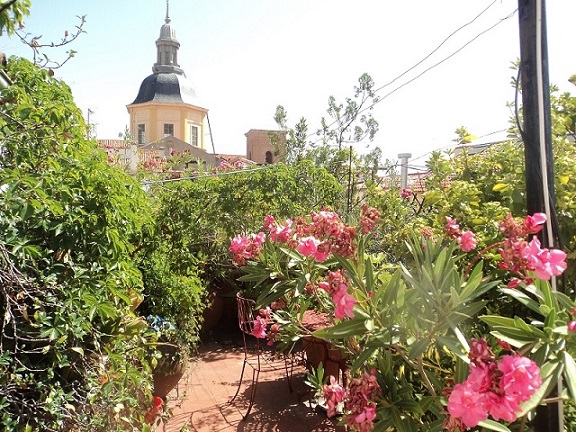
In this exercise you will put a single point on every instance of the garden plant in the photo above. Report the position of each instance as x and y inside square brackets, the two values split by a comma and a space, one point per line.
[426, 352]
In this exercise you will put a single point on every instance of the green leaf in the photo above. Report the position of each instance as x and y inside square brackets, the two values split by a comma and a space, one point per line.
[500, 187]
[522, 298]
[570, 372]
[496, 320]
[493, 425]
[343, 329]
[418, 347]
[79, 350]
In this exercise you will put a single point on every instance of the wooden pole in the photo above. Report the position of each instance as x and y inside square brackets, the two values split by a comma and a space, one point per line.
[536, 115]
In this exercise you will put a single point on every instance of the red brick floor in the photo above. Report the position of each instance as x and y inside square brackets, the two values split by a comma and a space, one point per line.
[200, 403]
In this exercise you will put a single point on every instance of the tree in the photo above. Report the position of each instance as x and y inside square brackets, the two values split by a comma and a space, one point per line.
[73, 349]
[12, 13]
[335, 150]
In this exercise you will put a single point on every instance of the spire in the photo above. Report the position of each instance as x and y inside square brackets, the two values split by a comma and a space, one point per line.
[167, 48]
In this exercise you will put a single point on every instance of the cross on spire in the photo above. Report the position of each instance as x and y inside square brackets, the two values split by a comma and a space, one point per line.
[167, 11]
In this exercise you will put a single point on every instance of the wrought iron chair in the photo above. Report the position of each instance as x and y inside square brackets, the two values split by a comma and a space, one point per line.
[256, 354]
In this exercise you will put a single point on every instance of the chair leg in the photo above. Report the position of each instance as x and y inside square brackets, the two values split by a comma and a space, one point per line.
[239, 382]
[255, 375]
[289, 374]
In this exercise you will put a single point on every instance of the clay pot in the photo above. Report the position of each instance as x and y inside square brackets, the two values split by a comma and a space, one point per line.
[213, 313]
[163, 384]
[170, 369]
[319, 351]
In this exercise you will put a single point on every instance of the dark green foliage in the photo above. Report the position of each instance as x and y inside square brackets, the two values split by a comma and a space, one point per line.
[71, 225]
[199, 217]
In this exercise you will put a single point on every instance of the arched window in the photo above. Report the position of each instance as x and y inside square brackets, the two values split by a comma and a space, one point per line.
[268, 157]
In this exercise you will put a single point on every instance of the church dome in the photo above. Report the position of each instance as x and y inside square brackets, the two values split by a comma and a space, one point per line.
[167, 32]
[167, 88]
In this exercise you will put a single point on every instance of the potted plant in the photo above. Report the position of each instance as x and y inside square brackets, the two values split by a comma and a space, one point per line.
[169, 358]
[414, 331]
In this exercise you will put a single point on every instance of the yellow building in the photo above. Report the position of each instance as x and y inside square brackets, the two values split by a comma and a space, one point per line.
[166, 104]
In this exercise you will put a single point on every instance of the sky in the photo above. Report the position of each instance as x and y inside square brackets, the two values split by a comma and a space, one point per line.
[246, 57]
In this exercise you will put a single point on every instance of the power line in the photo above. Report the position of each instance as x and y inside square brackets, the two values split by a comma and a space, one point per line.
[500, 21]
[437, 48]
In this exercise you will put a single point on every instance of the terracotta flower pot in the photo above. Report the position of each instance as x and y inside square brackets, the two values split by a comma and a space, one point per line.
[170, 369]
[320, 351]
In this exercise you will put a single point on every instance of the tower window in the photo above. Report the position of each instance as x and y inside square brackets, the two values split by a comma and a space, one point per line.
[194, 135]
[141, 133]
[268, 157]
[168, 129]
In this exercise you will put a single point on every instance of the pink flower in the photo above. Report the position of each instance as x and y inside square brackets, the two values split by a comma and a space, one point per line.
[452, 228]
[322, 251]
[467, 241]
[480, 352]
[533, 224]
[282, 233]
[406, 193]
[468, 405]
[480, 378]
[269, 223]
[258, 239]
[246, 247]
[572, 326]
[334, 395]
[307, 246]
[521, 376]
[502, 407]
[545, 263]
[344, 304]
[364, 420]
[259, 330]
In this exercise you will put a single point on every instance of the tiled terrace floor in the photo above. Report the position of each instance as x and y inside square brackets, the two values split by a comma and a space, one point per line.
[201, 400]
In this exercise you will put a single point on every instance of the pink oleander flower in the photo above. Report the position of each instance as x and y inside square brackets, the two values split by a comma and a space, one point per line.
[269, 223]
[307, 246]
[521, 376]
[571, 326]
[281, 233]
[513, 283]
[480, 352]
[322, 251]
[243, 247]
[545, 263]
[259, 330]
[467, 404]
[238, 247]
[502, 407]
[480, 378]
[360, 406]
[406, 193]
[368, 219]
[533, 224]
[452, 228]
[467, 241]
[344, 304]
[273, 333]
[258, 239]
[337, 281]
[364, 422]
[333, 395]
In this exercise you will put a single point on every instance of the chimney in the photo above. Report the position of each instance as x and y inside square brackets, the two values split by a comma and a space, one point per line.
[404, 169]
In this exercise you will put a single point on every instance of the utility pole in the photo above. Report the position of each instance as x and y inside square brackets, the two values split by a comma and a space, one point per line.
[404, 169]
[537, 138]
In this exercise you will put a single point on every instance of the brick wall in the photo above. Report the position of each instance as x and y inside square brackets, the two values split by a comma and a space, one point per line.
[259, 147]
